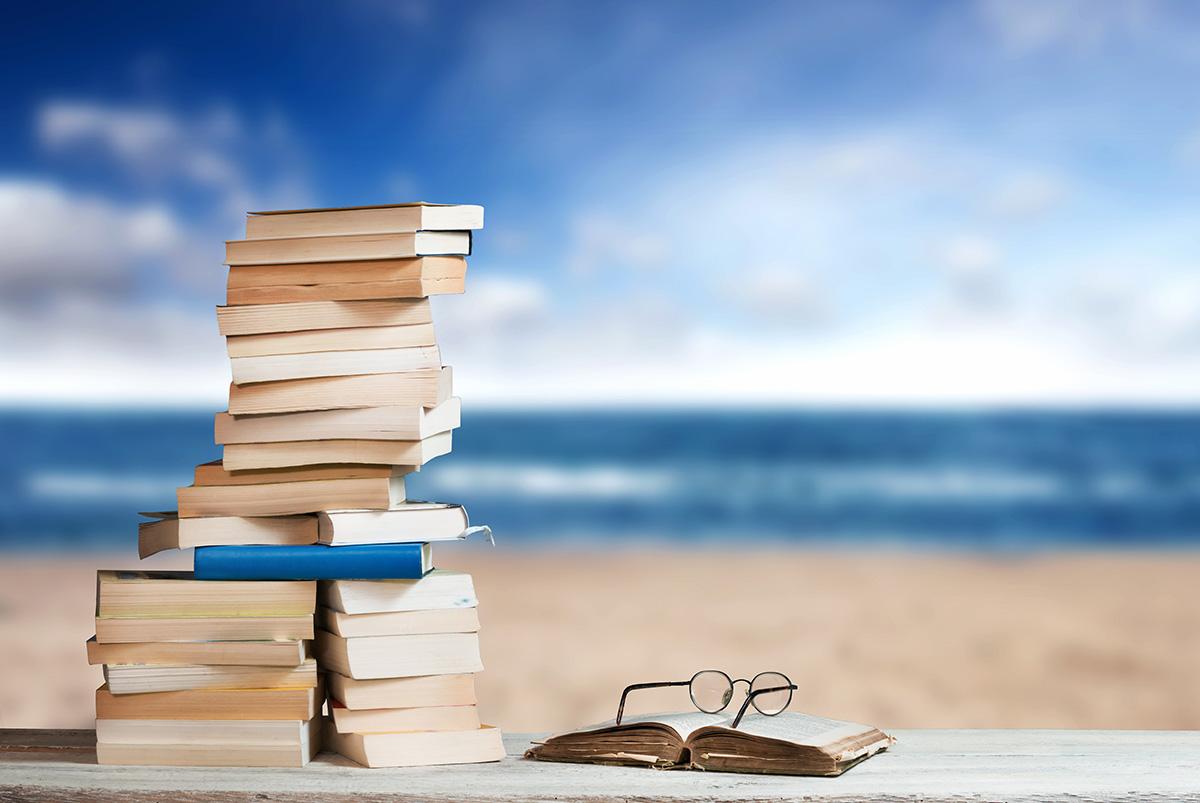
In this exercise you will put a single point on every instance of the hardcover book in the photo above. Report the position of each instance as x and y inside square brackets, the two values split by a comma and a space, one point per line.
[312, 562]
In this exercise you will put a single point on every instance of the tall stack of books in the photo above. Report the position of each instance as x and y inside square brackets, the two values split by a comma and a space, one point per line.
[338, 392]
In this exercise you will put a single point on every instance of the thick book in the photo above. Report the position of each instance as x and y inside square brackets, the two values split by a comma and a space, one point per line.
[367, 423]
[399, 656]
[297, 704]
[412, 521]
[399, 623]
[284, 454]
[128, 630]
[278, 367]
[131, 594]
[425, 388]
[416, 216]
[423, 690]
[367, 337]
[213, 653]
[418, 748]
[200, 743]
[215, 473]
[141, 678]
[288, 498]
[786, 744]
[312, 562]
[439, 589]
[169, 531]
[391, 720]
[303, 316]
[346, 247]
[283, 284]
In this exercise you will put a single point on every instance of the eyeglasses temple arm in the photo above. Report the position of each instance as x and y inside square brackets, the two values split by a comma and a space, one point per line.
[637, 686]
[746, 703]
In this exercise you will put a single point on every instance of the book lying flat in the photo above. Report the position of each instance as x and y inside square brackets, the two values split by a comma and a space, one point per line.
[217, 743]
[345, 247]
[171, 532]
[287, 498]
[367, 423]
[303, 316]
[412, 521]
[399, 656]
[140, 678]
[126, 630]
[177, 594]
[391, 720]
[441, 588]
[278, 367]
[214, 473]
[439, 276]
[285, 454]
[418, 748]
[399, 623]
[369, 337]
[213, 653]
[296, 704]
[312, 562]
[362, 271]
[423, 690]
[786, 744]
[416, 216]
[425, 388]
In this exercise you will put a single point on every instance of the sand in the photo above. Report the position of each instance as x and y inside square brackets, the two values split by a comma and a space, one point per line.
[1078, 640]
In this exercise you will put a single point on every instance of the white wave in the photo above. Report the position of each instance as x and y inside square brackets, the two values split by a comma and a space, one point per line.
[91, 485]
[549, 481]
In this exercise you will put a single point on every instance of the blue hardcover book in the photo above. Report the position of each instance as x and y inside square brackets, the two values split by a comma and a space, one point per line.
[313, 562]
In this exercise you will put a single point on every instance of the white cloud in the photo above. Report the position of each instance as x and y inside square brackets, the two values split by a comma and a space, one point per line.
[779, 293]
[604, 243]
[1025, 26]
[1028, 195]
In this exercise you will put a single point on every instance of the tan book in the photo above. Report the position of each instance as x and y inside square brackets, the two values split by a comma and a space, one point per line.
[412, 521]
[297, 704]
[239, 456]
[391, 720]
[167, 595]
[218, 743]
[785, 744]
[346, 247]
[400, 623]
[278, 367]
[401, 692]
[204, 628]
[214, 473]
[427, 388]
[416, 216]
[284, 498]
[418, 748]
[366, 337]
[366, 423]
[370, 271]
[439, 589]
[172, 532]
[358, 291]
[214, 653]
[140, 678]
[260, 319]
[399, 656]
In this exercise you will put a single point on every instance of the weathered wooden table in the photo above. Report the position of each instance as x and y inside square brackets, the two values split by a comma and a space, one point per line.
[926, 765]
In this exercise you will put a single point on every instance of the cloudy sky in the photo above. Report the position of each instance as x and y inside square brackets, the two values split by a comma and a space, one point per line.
[918, 203]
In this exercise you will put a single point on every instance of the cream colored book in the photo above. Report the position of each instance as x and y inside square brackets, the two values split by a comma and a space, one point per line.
[170, 531]
[441, 588]
[257, 319]
[218, 743]
[416, 216]
[214, 473]
[355, 272]
[418, 748]
[213, 653]
[127, 630]
[399, 656]
[237, 456]
[346, 247]
[296, 704]
[428, 276]
[284, 498]
[367, 337]
[175, 594]
[391, 720]
[412, 521]
[426, 388]
[139, 678]
[366, 423]
[278, 367]
[400, 623]
[424, 690]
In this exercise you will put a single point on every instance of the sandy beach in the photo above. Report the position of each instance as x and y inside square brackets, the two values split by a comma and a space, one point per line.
[898, 640]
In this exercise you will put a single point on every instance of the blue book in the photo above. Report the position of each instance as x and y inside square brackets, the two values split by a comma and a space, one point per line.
[313, 562]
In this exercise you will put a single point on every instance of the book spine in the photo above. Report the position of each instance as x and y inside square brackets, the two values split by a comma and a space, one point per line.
[310, 562]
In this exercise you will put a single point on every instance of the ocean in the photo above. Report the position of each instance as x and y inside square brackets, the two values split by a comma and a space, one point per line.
[1012, 481]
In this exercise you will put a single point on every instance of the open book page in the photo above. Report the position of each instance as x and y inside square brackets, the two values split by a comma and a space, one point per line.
[683, 724]
[804, 729]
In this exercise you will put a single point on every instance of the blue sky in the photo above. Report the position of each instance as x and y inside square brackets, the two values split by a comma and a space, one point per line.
[817, 203]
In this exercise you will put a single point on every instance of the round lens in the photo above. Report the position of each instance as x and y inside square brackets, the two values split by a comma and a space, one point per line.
[711, 690]
[772, 692]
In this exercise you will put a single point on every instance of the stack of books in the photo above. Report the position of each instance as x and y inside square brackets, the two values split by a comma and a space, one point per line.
[338, 392]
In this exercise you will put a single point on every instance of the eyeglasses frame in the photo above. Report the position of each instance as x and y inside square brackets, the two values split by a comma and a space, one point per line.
[750, 695]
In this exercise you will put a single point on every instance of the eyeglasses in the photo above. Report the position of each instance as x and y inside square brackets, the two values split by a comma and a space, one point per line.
[711, 690]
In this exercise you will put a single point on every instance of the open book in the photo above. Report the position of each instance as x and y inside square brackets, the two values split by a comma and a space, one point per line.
[787, 744]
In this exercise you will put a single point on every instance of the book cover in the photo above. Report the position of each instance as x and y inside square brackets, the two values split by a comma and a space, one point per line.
[313, 562]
